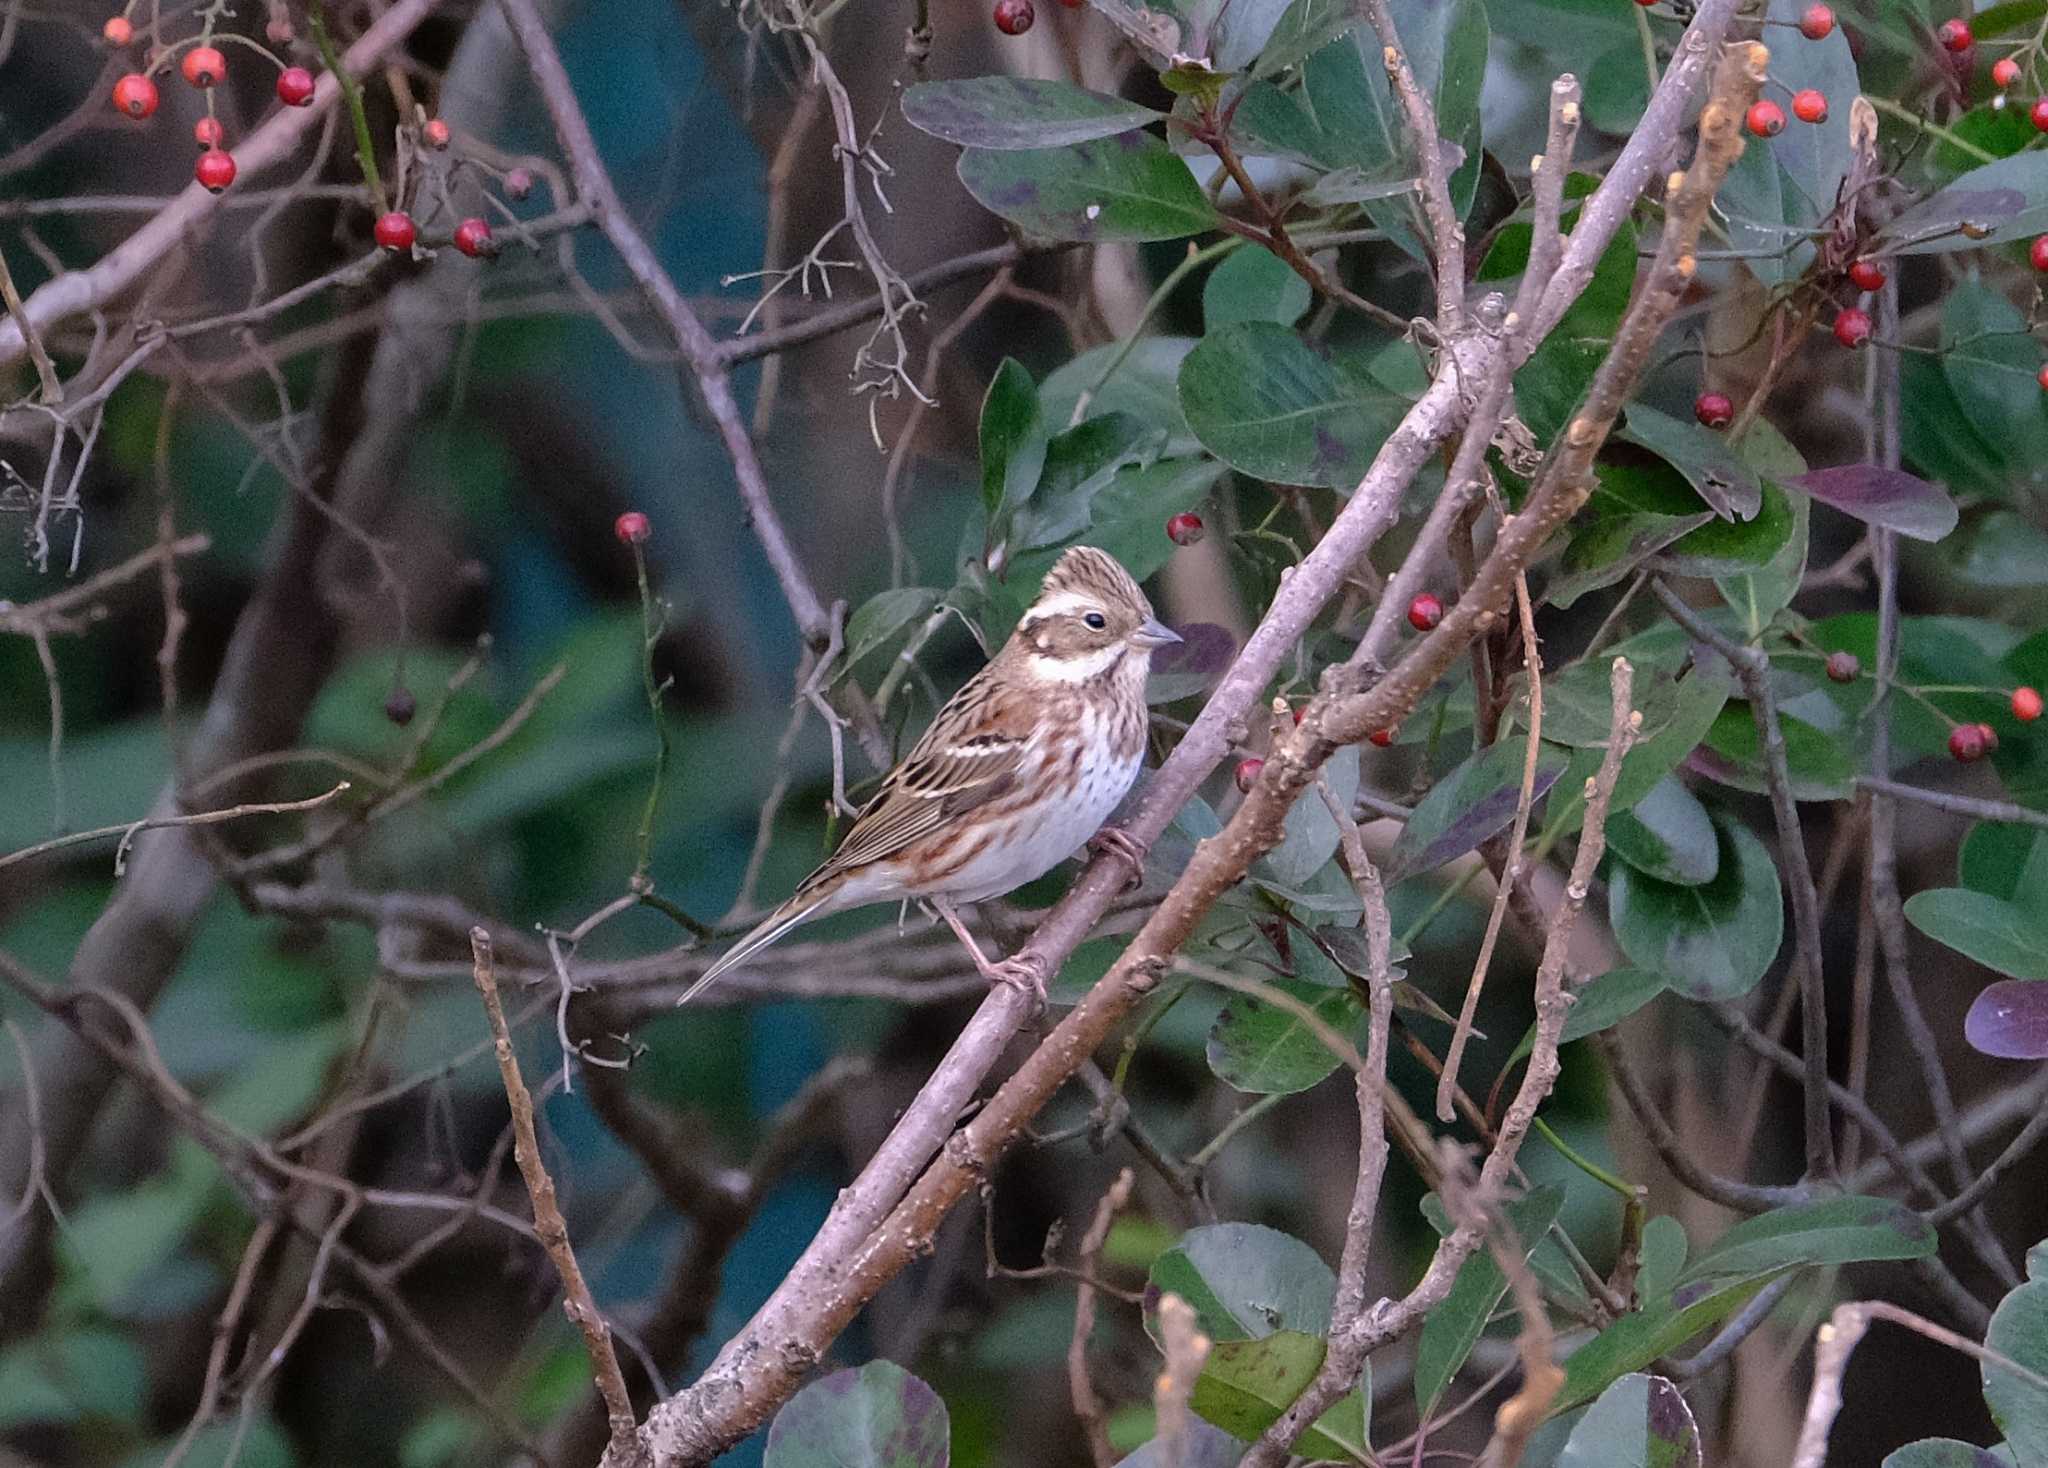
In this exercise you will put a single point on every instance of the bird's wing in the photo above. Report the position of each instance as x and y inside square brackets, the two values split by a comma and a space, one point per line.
[972, 753]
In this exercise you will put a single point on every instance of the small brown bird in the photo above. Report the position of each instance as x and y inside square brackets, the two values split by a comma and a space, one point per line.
[1018, 771]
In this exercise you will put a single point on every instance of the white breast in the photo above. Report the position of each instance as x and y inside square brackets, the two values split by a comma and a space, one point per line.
[1038, 838]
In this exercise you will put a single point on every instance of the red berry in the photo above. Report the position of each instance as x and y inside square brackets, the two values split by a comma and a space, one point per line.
[394, 231]
[203, 66]
[1382, 737]
[436, 133]
[1425, 612]
[1867, 275]
[400, 707]
[295, 87]
[135, 94]
[1646, 4]
[1844, 667]
[1073, 4]
[1714, 409]
[1966, 743]
[2042, 377]
[1810, 106]
[1816, 22]
[215, 169]
[1766, 119]
[1186, 529]
[1852, 327]
[207, 132]
[1248, 773]
[1014, 17]
[518, 184]
[2004, 72]
[473, 238]
[117, 30]
[632, 528]
[1954, 36]
[1990, 737]
[2038, 252]
[2038, 115]
[2026, 705]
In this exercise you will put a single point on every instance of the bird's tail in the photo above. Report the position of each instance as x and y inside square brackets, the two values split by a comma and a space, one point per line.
[801, 908]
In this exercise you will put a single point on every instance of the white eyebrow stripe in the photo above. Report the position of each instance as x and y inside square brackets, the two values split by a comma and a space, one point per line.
[1061, 604]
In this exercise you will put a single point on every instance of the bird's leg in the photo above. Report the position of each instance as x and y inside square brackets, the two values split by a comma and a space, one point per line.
[1025, 972]
[1125, 847]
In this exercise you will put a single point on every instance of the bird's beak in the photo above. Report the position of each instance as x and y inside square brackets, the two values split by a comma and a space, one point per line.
[1154, 633]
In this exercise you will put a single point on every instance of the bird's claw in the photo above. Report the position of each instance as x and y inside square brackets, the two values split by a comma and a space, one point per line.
[1117, 842]
[1026, 973]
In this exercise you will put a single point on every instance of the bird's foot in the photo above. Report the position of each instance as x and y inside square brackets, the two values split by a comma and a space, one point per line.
[1117, 842]
[1026, 973]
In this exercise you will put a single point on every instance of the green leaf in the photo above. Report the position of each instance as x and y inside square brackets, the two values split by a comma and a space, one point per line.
[1013, 443]
[1725, 548]
[1663, 1251]
[68, 1375]
[1246, 1385]
[1634, 1341]
[2019, 1332]
[1830, 1231]
[882, 616]
[1946, 1452]
[879, 1416]
[1602, 1004]
[1715, 471]
[1938, 436]
[1757, 596]
[2000, 935]
[1129, 187]
[2009, 862]
[1265, 402]
[1578, 702]
[1305, 28]
[1617, 88]
[1012, 112]
[1470, 805]
[115, 1240]
[1079, 465]
[1145, 384]
[1638, 1422]
[2002, 202]
[1264, 1050]
[1667, 835]
[1246, 1281]
[1701, 697]
[1812, 158]
[1990, 362]
[2000, 549]
[1816, 763]
[1310, 836]
[1253, 284]
[1452, 1329]
[1713, 941]
[1204, 1447]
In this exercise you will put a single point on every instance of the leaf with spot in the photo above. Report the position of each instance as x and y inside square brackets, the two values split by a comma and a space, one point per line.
[1266, 402]
[1245, 1281]
[1715, 471]
[879, 1416]
[1246, 1385]
[1638, 1422]
[1129, 187]
[1013, 112]
[1264, 1050]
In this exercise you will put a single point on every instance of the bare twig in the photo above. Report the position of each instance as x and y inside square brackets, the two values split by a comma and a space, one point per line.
[128, 829]
[1087, 1406]
[548, 1223]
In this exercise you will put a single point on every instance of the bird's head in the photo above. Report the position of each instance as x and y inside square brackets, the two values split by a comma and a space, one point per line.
[1090, 617]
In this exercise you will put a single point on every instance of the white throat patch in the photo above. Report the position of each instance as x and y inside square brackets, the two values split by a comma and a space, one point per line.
[1075, 670]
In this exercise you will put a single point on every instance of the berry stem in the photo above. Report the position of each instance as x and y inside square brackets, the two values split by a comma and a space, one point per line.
[651, 621]
[1933, 129]
[366, 152]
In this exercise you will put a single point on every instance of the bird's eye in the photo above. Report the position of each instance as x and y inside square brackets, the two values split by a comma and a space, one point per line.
[1096, 620]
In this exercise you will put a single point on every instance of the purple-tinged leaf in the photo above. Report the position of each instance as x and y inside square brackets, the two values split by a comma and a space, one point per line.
[2010, 1020]
[879, 1416]
[1010, 112]
[1471, 804]
[1886, 498]
[1192, 664]
[1944, 1452]
[1639, 1422]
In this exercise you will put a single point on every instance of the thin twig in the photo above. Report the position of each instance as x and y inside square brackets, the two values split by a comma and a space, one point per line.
[1087, 1405]
[578, 1303]
[128, 829]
